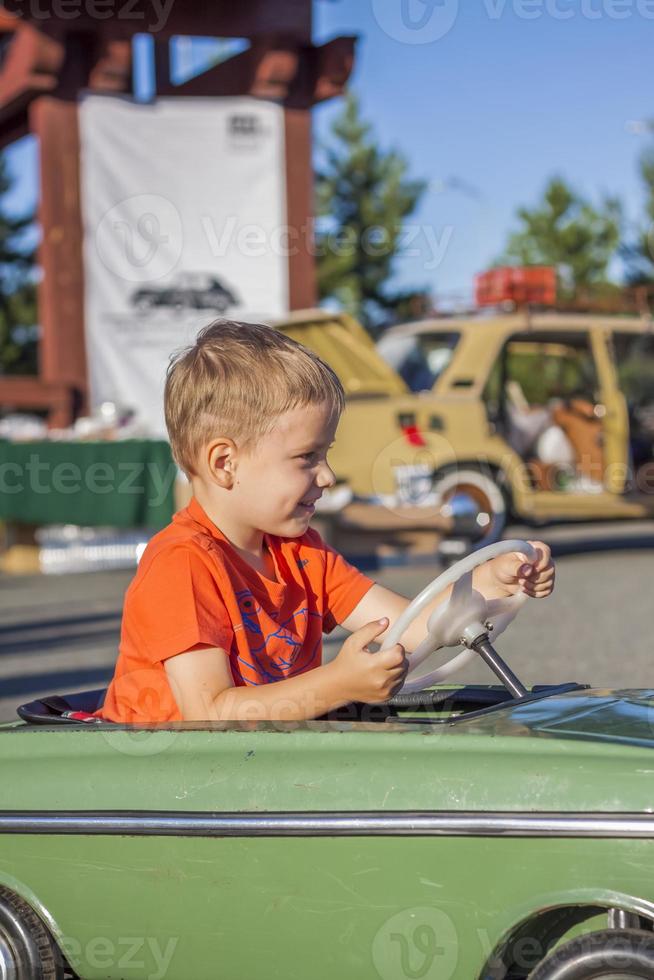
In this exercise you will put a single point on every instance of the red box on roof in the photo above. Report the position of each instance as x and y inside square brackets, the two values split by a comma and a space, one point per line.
[516, 284]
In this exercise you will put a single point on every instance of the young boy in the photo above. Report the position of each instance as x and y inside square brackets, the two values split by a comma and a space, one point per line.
[225, 616]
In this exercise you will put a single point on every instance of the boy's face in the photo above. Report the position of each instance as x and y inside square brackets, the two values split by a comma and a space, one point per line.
[278, 481]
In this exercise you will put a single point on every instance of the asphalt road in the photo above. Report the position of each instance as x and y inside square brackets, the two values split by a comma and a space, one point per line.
[60, 634]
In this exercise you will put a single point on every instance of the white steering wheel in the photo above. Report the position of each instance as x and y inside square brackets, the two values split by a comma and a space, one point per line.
[466, 614]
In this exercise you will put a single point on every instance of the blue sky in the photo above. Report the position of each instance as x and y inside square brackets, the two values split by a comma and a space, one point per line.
[513, 92]
[501, 103]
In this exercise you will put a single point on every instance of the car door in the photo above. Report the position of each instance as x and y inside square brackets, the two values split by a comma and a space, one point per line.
[632, 350]
[614, 414]
[561, 410]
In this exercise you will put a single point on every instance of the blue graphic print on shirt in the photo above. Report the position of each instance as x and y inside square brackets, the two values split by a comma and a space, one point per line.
[276, 652]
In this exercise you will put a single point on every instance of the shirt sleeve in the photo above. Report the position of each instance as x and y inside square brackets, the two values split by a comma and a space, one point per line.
[177, 605]
[344, 586]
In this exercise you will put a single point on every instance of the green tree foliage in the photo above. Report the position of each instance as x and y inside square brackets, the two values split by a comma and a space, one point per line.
[639, 254]
[363, 197]
[567, 231]
[18, 311]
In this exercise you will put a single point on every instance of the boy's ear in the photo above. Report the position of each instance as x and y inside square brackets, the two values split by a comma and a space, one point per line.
[221, 459]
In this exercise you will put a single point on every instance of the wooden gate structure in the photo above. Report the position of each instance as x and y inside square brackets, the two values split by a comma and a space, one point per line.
[53, 50]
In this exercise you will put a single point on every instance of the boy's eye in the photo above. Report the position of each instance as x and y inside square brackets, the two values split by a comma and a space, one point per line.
[312, 456]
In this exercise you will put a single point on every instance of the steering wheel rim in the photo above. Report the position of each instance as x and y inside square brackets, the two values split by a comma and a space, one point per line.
[507, 609]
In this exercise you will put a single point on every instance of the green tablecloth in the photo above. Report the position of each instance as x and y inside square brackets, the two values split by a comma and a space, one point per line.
[120, 484]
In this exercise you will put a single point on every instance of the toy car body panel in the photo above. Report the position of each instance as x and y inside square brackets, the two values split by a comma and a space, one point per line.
[351, 848]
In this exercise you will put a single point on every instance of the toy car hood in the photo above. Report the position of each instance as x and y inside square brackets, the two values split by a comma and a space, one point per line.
[612, 716]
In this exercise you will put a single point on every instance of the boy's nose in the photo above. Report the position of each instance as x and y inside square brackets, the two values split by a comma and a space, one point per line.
[326, 477]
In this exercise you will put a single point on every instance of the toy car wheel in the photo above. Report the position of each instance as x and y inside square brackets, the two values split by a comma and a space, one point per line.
[614, 954]
[474, 502]
[27, 950]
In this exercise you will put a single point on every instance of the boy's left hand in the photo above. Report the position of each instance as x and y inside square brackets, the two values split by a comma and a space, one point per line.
[514, 573]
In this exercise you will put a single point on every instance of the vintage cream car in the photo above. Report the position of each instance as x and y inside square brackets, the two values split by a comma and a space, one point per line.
[546, 417]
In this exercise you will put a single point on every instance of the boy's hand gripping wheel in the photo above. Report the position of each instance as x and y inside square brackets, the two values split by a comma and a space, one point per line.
[465, 619]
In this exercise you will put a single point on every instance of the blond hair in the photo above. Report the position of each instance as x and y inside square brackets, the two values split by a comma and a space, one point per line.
[235, 381]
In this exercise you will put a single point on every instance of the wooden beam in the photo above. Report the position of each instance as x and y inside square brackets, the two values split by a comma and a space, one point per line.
[161, 64]
[265, 70]
[57, 57]
[166, 18]
[37, 63]
[299, 209]
[61, 291]
[112, 68]
[32, 66]
[278, 68]
[33, 393]
[332, 65]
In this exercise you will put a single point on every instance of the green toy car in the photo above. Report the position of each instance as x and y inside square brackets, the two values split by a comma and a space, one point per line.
[454, 833]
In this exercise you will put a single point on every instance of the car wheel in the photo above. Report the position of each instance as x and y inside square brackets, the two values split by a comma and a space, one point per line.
[27, 950]
[614, 954]
[474, 502]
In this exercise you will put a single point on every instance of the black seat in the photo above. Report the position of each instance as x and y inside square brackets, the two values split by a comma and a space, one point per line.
[64, 709]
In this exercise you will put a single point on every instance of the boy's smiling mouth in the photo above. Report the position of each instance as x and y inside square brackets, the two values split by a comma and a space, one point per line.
[309, 505]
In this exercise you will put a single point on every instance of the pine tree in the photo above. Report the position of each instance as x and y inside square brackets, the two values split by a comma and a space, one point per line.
[567, 231]
[639, 254]
[363, 196]
[18, 311]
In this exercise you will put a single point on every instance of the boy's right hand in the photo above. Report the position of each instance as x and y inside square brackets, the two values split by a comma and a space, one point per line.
[367, 676]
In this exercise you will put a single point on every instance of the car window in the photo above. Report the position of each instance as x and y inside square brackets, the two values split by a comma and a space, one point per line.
[541, 397]
[551, 368]
[634, 359]
[538, 370]
[419, 359]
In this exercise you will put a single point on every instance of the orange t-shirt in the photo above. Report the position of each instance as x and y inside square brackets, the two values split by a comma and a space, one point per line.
[193, 588]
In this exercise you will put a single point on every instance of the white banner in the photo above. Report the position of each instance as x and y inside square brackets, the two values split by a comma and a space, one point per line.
[184, 211]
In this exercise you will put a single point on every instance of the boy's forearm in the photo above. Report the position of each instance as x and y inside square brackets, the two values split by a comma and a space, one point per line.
[304, 696]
